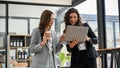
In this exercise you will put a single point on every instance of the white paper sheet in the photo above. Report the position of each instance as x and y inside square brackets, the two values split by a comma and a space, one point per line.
[76, 32]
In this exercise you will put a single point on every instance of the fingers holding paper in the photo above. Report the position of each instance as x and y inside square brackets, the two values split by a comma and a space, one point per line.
[87, 38]
[62, 38]
[73, 43]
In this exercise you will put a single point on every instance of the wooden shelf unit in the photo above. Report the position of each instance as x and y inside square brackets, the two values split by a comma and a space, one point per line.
[18, 48]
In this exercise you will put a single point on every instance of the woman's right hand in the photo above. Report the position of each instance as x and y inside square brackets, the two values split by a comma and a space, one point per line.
[62, 37]
[73, 43]
[46, 36]
[43, 42]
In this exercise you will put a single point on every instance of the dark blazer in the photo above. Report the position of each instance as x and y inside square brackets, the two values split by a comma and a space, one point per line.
[93, 40]
[80, 59]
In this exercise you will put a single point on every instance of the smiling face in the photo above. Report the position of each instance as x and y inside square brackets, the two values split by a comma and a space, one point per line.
[73, 18]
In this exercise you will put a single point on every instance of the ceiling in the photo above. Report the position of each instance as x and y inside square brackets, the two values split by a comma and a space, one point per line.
[76, 2]
[68, 3]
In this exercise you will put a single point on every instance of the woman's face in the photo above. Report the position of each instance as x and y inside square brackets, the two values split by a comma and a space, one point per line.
[73, 18]
[51, 20]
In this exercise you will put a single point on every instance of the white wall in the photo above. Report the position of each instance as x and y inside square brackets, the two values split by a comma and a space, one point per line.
[28, 10]
[20, 26]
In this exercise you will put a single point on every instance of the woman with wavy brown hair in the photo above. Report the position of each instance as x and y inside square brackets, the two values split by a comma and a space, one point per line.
[79, 51]
[44, 43]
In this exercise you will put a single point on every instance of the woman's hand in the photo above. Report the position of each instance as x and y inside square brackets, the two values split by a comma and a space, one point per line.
[73, 43]
[62, 37]
[46, 36]
[87, 39]
[43, 42]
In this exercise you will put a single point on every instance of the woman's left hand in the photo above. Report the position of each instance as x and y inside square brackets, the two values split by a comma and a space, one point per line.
[87, 38]
[62, 38]
[73, 43]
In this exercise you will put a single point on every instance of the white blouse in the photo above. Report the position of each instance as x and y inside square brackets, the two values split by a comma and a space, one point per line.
[82, 46]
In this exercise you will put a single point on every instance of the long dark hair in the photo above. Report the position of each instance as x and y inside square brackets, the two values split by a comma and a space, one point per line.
[67, 18]
[44, 20]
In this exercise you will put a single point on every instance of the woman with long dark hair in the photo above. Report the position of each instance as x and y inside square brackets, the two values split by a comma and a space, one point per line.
[79, 51]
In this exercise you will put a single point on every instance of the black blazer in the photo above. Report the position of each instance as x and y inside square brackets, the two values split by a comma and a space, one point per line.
[93, 40]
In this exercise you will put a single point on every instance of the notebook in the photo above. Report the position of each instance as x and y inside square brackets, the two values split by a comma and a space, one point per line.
[76, 32]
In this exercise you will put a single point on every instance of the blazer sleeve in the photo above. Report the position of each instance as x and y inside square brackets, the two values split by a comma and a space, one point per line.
[35, 43]
[91, 34]
[58, 46]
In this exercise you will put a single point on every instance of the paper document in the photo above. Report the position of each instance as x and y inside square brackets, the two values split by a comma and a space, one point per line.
[76, 32]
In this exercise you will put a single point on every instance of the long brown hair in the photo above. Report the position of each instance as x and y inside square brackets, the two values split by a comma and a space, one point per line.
[67, 18]
[45, 20]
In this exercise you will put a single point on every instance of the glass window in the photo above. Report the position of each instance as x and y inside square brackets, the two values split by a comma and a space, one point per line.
[2, 35]
[112, 16]
[117, 34]
[112, 28]
[109, 34]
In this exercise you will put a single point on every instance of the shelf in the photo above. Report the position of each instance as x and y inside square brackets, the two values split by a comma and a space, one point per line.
[18, 48]
[2, 48]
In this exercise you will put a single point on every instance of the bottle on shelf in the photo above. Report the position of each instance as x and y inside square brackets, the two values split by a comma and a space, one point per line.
[19, 54]
[18, 43]
[15, 42]
[25, 54]
[11, 43]
[21, 42]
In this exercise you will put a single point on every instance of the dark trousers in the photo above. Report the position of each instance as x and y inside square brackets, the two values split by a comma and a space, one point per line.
[80, 60]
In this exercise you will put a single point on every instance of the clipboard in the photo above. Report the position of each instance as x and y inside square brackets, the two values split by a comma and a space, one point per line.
[76, 32]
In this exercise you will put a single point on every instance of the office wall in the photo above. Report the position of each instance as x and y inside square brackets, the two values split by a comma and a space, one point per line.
[23, 19]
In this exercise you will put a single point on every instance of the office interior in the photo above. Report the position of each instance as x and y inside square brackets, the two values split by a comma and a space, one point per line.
[19, 17]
